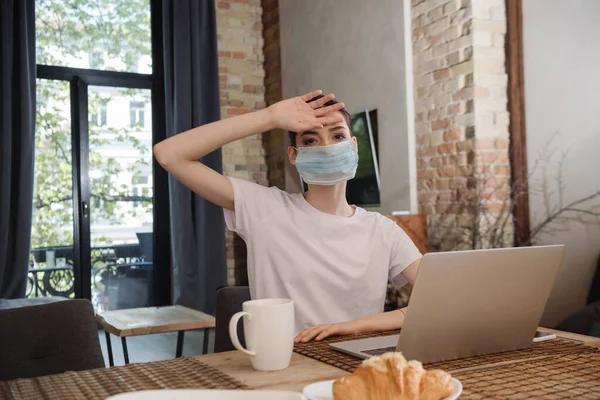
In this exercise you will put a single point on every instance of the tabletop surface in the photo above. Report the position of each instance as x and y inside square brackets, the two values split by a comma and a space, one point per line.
[304, 371]
[147, 320]
[558, 374]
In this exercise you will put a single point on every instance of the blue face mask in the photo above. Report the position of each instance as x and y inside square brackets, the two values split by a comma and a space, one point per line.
[327, 165]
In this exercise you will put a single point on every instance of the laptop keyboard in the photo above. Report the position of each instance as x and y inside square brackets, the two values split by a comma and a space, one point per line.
[379, 351]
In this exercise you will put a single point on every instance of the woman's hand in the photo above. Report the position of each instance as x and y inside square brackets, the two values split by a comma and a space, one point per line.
[297, 115]
[386, 321]
[323, 331]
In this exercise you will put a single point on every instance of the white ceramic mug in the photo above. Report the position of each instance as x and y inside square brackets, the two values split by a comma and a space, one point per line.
[269, 332]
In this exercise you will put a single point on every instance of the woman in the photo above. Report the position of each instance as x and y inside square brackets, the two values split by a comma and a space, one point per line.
[333, 259]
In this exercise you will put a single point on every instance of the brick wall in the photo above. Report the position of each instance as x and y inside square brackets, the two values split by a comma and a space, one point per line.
[242, 55]
[461, 124]
[460, 110]
[241, 75]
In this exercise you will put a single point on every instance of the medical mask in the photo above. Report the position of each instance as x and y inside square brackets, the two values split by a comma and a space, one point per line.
[327, 165]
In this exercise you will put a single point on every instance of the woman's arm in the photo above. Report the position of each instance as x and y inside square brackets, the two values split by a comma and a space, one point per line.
[179, 154]
[410, 272]
[386, 321]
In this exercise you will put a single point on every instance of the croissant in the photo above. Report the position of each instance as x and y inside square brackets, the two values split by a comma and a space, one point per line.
[391, 377]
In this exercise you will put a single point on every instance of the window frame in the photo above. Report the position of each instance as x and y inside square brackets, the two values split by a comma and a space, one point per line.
[79, 80]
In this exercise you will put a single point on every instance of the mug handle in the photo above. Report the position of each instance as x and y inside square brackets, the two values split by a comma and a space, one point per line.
[233, 332]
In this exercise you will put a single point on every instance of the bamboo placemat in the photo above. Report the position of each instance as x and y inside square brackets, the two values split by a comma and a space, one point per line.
[574, 376]
[322, 352]
[181, 373]
[549, 348]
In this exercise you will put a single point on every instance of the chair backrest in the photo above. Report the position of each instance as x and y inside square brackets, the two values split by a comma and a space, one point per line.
[594, 293]
[229, 301]
[48, 339]
[415, 226]
[146, 246]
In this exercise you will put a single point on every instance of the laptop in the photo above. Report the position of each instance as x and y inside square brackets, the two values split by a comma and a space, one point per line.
[468, 303]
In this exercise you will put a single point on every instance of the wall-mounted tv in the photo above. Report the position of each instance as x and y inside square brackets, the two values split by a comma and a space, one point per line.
[364, 189]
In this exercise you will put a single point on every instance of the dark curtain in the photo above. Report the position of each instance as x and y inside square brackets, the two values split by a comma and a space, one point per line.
[17, 141]
[192, 99]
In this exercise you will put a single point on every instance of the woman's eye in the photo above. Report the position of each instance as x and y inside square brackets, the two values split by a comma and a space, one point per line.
[339, 137]
[308, 142]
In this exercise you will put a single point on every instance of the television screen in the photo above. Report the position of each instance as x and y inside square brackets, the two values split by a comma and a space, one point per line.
[374, 130]
[364, 189]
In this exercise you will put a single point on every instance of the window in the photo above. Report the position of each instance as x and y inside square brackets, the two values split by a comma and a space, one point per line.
[98, 117]
[133, 66]
[95, 57]
[136, 114]
[108, 35]
[141, 188]
[136, 193]
[139, 180]
[97, 202]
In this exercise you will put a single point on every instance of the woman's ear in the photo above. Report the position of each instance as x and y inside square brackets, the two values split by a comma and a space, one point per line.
[292, 153]
[355, 141]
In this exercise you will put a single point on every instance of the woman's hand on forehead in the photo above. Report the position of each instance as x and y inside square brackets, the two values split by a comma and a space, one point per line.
[298, 115]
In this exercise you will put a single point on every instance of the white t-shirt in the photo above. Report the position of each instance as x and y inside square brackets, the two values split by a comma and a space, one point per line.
[334, 268]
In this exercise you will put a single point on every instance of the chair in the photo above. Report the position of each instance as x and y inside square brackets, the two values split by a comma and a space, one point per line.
[585, 321]
[48, 339]
[134, 285]
[5, 304]
[594, 293]
[229, 302]
[146, 245]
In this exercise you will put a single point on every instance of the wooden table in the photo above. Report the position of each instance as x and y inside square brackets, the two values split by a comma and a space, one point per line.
[587, 340]
[149, 320]
[304, 371]
[532, 375]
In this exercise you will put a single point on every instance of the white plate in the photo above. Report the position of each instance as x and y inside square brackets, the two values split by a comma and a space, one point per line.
[324, 390]
[208, 395]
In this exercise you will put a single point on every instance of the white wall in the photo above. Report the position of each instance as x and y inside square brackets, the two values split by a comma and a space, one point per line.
[355, 49]
[562, 94]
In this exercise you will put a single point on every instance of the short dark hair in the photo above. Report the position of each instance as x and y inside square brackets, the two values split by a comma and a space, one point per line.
[343, 110]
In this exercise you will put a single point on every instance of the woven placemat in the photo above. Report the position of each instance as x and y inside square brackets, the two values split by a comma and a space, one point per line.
[573, 376]
[549, 348]
[322, 352]
[181, 373]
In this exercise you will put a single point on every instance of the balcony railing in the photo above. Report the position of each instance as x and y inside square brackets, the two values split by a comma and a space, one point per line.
[51, 269]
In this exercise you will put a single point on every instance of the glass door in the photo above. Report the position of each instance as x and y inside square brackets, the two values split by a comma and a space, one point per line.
[121, 192]
[51, 261]
[98, 114]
